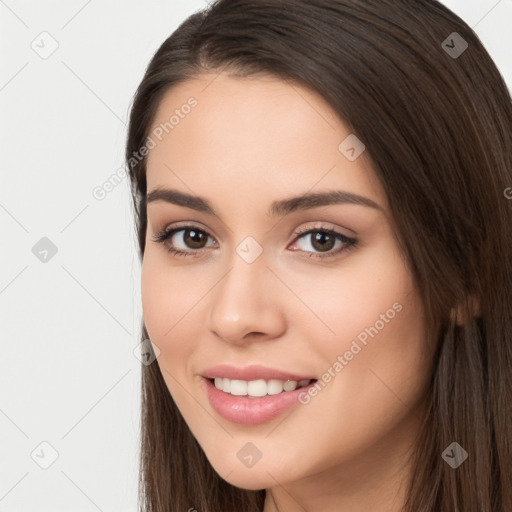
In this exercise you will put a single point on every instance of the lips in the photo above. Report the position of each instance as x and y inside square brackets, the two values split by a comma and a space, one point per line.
[246, 410]
[253, 372]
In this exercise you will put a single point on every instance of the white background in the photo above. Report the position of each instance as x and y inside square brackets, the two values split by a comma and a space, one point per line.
[69, 326]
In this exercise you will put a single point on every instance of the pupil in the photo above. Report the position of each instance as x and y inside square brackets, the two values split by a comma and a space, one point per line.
[196, 238]
[323, 241]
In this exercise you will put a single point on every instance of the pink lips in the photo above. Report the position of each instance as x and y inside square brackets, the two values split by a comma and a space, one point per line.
[252, 411]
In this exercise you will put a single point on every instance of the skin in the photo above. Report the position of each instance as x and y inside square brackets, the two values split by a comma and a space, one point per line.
[247, 143]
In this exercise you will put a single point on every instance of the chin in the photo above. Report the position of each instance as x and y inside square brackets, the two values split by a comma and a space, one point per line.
[246, 479]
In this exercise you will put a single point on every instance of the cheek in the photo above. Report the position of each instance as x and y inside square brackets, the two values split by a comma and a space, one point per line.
[379, 324]
[162, 304]
[164, 313]
[168, 292]
[171, 303]
[154, 298]
[372, 317]
[351, 297]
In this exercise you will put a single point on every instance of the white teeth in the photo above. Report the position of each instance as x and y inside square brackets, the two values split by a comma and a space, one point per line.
[226, 386]
[256, 388]
[259, 387]
[237, 387]
[274, 387]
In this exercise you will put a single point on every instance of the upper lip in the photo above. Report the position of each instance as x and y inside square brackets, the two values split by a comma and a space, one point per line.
[252, 372]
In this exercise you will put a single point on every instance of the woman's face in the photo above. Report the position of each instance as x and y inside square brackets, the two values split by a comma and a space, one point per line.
[252, 290]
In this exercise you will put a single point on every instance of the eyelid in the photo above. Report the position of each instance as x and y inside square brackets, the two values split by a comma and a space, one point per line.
[185, 224]
[178, 226]
[321, 226]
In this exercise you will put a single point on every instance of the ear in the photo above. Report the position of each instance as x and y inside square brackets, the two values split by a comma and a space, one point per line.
[466, 310]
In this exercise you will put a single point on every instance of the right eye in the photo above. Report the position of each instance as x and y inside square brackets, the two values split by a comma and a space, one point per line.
[192, 238]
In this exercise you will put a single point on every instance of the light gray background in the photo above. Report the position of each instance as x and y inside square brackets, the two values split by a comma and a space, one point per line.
[70, 325]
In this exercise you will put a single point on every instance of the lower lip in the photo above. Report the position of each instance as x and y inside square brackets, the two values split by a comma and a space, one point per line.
[252, 411]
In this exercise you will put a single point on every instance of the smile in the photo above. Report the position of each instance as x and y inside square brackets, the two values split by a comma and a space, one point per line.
[253, 410]
[257, 388]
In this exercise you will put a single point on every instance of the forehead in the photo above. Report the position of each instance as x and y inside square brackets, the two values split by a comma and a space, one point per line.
[217, 132]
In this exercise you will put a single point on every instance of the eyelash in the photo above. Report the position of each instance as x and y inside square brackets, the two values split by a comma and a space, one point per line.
[166, 233]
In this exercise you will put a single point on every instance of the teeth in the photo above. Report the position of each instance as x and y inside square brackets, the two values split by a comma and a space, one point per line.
[256, 388]
[290, 385]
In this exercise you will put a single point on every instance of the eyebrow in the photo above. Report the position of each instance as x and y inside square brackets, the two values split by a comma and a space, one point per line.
[277, 208]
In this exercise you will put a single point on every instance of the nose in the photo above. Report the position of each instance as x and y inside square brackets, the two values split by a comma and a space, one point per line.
[246, 303]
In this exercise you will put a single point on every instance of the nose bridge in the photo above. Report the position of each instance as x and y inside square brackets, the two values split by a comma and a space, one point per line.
[241, 302]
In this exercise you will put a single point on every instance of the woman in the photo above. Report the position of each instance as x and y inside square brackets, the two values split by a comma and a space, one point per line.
[320, 190]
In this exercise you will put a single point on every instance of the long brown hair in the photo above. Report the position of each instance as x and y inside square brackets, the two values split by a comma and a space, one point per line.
[436, 119]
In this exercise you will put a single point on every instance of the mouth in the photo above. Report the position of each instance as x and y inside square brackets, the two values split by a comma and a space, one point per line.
[245, 409]
[258, 388]
[254, 394]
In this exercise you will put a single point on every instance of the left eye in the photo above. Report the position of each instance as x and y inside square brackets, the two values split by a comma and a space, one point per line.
[324, 241]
